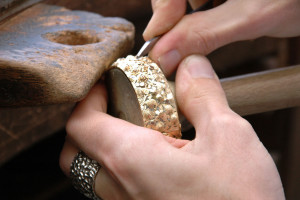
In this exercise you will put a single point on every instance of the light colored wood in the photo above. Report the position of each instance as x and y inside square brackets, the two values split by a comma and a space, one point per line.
[263, 91]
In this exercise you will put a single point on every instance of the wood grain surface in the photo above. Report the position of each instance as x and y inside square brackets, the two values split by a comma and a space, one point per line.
[20, 128]
[129, 9]
[262, 91]
[11, 7]
[49, 54]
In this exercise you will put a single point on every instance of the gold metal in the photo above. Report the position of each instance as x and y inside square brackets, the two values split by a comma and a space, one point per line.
[155, 98]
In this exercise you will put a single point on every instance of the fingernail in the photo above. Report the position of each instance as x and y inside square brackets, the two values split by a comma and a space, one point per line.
[169, 61]
[199, 67]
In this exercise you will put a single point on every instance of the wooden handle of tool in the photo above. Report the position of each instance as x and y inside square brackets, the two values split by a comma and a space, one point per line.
[263, 91]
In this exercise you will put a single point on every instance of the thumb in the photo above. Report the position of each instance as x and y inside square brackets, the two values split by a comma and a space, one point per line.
[198, 91]
[201, 33]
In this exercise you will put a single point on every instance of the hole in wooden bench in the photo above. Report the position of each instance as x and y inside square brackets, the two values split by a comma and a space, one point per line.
[74, 37]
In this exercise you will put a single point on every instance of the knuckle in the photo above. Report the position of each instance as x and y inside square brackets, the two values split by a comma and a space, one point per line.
[126, 157]
[71, 125]
[244, 124]
[169, 7]
[233, 128]
[231, 119]
[121, 159]
[203, 92]
[206, 41]
[62, 163]
[223, 119]
[159, 3]
[77, 123]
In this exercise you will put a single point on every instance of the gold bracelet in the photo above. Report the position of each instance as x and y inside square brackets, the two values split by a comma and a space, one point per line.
[139, 93]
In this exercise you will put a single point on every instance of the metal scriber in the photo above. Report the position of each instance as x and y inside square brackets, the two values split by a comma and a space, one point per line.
[146, 48]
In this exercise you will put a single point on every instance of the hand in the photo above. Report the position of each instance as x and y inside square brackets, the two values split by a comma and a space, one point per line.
[226, 160]
[205, 31]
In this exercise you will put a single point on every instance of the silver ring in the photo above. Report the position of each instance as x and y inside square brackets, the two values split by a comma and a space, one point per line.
[83, 172]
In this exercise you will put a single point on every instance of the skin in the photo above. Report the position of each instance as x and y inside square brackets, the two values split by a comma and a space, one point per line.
[226, 160]
[203, 32]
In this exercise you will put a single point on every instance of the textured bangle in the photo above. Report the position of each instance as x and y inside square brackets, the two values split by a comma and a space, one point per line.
[139, 93]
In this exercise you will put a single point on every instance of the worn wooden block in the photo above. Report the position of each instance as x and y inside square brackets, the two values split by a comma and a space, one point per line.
[20, 128]
[49, 54]
[10, 7]
[129, 9]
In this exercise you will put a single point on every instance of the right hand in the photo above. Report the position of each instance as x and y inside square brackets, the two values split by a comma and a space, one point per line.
[205, 31]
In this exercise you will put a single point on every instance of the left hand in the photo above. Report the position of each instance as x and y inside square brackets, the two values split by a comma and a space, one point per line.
[226, 160]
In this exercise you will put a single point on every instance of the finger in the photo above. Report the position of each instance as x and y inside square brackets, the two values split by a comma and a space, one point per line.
[96, 99]
[82, 118]
[94, 131]
[201, 33]
[124, 149]
[105, 185]
[107, 188]
[198, 90]
[166, 13]
[66, 157]
[178, 143]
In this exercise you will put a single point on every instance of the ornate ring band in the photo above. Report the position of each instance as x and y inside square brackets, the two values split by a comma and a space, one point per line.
[83, 172]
